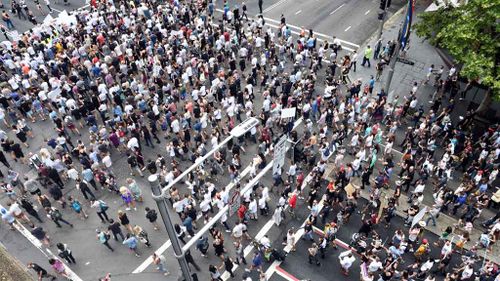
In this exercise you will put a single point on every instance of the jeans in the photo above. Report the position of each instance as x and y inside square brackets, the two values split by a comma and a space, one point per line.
[56, 221]
[431, 217]
[162, 268]
[9, 24]
[308, 235]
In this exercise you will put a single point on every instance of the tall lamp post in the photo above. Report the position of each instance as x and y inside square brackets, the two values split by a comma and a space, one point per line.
[167, 221]
[159, 196]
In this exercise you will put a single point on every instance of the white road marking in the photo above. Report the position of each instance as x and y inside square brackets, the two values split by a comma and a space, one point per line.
[298, 12]
[45, 251]
[273, 6]
[168, 243]
[367, 12]
[59, 11]
[348, 28]
[327, 37]
[225, 276]
[149, 260]
[337, 9]
[356, 46]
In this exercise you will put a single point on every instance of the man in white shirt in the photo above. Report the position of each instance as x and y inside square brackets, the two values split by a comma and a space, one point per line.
[346, 260]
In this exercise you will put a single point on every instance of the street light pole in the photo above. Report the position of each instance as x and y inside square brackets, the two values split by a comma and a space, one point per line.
[164, 213]
[381, 16]
[392, 65]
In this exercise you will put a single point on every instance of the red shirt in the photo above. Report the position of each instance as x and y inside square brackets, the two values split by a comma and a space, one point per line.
[293, 201]
[241, 212]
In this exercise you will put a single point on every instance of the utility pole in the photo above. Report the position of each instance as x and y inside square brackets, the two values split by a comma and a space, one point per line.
[165, 216]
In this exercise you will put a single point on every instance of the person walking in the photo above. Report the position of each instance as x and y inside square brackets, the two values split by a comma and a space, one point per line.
[26, 204]
[142, 235]
[152, 216]
[65, 253]
[8, 218]
[367, 55]
[239, 251]
[161, 263]
[229, 265]
[346, 260]
[116, 229]
[101, 208]
[47, 3]
[56, 216]
[215, 274]
[85, 190]
[123, 218]
[313, 254]
[131, 242]
[8, 21]
[202, 245]
[15, 210]
[59, 268]
[261, 2]
[41, 235]
[77, 207]
[103, 238]
[41, 272]
[3, 160]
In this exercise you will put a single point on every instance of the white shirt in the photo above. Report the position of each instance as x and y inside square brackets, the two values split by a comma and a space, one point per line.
[106, 160]
[133, 143]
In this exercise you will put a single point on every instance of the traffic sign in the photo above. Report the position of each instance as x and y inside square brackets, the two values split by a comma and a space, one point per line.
[234, 201]
[279, 154]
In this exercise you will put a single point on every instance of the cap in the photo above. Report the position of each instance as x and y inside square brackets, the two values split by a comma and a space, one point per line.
[425, 241]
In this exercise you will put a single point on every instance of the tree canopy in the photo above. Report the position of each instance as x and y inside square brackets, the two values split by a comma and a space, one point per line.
[470, 33]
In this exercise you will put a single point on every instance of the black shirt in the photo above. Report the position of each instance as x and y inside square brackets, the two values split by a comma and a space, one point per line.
[40, 271]
[115, 227]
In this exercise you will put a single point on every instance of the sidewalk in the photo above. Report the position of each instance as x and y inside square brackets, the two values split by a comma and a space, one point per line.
[423, 55]
[442, 221]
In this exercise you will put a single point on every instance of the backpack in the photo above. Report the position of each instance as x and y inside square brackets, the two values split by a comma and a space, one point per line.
[151, 215]
[76, 206]
[104, 207]
[55, 215]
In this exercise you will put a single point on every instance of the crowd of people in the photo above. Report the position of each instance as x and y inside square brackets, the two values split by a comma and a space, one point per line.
[132, 75]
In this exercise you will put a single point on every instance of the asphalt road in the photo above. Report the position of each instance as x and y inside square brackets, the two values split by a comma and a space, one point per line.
[94, 260]
[22, 25]
[353, 21]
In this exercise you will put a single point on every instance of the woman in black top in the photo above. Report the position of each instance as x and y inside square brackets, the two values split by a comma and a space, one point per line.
[17, 151]
[21, 135]
[122, 217]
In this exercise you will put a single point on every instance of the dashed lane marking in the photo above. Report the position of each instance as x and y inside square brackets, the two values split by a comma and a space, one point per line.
[337, 9]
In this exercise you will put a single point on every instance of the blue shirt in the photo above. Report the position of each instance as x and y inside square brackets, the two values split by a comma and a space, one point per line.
[188, 223]
[131, 242]
[88, 175]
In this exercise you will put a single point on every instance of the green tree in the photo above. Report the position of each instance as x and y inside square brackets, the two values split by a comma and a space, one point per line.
[470, 32]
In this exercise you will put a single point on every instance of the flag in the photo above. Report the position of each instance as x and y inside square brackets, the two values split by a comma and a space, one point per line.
[405, 34]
